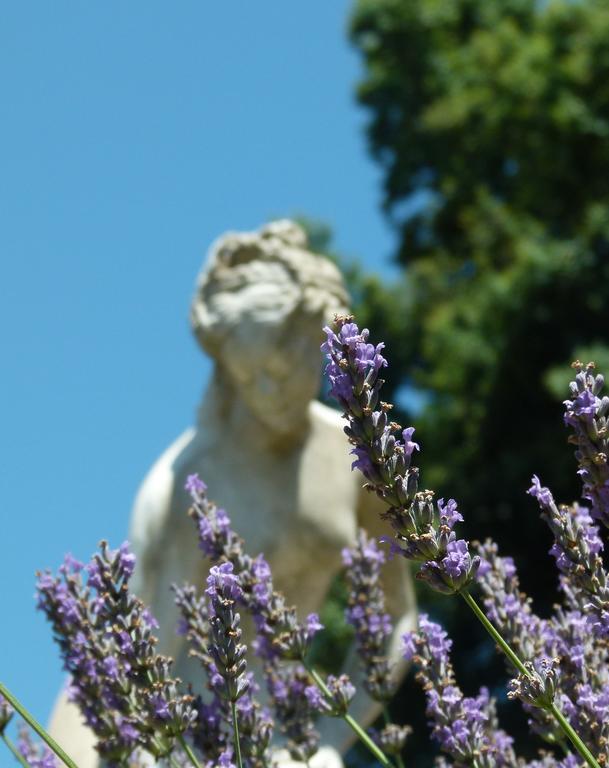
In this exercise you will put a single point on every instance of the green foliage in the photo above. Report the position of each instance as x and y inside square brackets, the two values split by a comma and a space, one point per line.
[490, 119]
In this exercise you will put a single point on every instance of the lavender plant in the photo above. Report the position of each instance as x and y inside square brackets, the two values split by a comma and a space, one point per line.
[424, 533]
[559, 665]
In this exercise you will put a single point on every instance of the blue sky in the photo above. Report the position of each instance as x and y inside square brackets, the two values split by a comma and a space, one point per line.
[132, 134]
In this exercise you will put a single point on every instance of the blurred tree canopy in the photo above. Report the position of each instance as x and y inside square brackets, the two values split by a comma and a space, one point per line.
[490, 119]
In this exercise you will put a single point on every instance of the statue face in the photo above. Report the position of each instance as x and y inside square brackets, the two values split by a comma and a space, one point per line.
[275, 367]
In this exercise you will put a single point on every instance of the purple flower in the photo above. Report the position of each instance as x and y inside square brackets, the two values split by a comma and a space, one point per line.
[457, 561]
[409, 646]
[313, 625]
[543, 495]
[222, 584]
[194, 485]
[464, 727]
[225, 648]
[449, 515]
[335, 702]
[423, 531]
[36, 755]
[104, 634]
[586, 413]
[409, 446]
[315, 698]
[366, 613]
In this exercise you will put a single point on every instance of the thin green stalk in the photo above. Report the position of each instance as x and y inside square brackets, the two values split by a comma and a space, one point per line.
[35, 725]
[186, 747]
[516, 661]
[573, 737]
[233, 707]
[16, 754]
[353, 724]
[387, 717]
[481, 616]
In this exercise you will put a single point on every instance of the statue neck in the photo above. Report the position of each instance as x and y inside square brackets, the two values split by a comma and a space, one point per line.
[223, 413]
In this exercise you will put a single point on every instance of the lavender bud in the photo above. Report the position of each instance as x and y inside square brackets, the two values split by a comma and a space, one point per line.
[392, 739]
[539, 686]
[6, 714]
[423, 530]
[225, 649]
[336, 702]
[366, 613]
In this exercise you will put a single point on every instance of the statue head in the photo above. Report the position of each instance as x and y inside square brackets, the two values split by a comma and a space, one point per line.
[261, 301]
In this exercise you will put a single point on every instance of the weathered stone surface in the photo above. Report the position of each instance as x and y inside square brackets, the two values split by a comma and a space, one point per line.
[272, 455]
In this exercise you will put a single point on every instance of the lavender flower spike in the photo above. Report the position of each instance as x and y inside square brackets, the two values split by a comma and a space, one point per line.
[423, 529]
[227, 652]
[465, 728]
[586, 413]
[577, 549]
[35, 755]
[366, 613]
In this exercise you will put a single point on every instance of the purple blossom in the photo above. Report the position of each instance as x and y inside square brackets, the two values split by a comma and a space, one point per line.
[222, 584]
[409, 446]
[104, 634]
[449, 514]
[335, 702]
[194, 485]
[225, 648]
[464, 727]
[586, 413]
[542, 494]
[313, 625]
[36, 755]
[423, 530]
[366, 613]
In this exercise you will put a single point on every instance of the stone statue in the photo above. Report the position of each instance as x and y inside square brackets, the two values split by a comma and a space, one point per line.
[272, 455]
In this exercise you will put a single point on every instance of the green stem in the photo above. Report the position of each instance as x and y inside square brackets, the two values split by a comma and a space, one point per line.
[35, 725]
[237, 744]
[481, 616]
[16, 754]
[573, 737]
[516, 661]
[186, 747]
[353, 724]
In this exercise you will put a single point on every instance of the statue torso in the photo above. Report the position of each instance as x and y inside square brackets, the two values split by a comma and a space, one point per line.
[297, 506]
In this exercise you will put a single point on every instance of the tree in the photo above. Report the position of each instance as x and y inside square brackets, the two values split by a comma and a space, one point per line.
[490, 119]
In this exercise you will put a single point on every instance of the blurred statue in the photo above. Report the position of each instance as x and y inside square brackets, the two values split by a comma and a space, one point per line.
[272, 455]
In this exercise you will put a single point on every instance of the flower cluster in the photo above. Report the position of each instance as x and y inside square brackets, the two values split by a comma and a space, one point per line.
[227, 652]
[587, 414]
[423, 528]
[366, 614]
[280, 634]
[464, 727]
[281, 641]
[577, 549]
[129, 698]
[122, 686]
[35, 755]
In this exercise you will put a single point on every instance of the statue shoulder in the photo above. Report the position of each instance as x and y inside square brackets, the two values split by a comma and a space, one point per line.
[152, 504]
[324, 417]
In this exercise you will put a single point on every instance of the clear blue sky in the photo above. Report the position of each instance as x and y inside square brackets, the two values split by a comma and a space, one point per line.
[131, 135]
